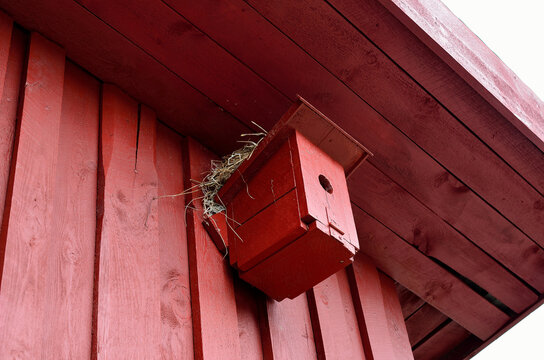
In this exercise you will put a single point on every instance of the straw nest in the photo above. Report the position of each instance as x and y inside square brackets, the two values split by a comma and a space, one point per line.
[220, 172]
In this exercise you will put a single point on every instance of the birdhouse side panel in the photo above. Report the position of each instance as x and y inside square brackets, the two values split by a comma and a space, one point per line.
[268, 185]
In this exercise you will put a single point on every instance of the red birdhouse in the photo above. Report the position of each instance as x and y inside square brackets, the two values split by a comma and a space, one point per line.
[288, 207]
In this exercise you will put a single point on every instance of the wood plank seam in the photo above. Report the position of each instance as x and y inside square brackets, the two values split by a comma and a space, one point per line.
[422, 348]
[467, 55]
[316, 326]
[479, 289]
[497, 258]
[215, 329]
[248, 126]
[129, 286]
[100, 185]
[199, 76]
[419, 308]
[374, 315]
[423, 323]
[334, 319]
[96, 284]
[435, 285]
[52, 166]
[508, 312]
[419, 84]
[12, 114]
[226, 50]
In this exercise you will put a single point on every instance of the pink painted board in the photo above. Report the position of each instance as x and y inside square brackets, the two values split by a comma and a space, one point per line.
[128, 322]
[176, 319]
[215, 320]
[287, 330]
[334, 320]
[10, 90]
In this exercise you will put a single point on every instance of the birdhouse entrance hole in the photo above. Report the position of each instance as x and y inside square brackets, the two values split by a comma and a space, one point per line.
[325, 183]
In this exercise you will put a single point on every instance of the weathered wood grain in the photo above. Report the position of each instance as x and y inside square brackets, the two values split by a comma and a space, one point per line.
[128, 320]
[29, 208]
[287, 330]
[426, 279]
[468, 55]
[176, 320]
[371, 310]
[50, 218]
[445, 83]
[379, 196]
[6, 25]
[395, 320]
[334, 321]
[248, 303]
[10, 89]
[215, 320]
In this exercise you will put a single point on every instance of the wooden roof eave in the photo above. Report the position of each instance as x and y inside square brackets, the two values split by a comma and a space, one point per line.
[436, 26]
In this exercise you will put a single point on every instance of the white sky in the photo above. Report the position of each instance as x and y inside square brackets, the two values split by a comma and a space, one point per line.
[514, 30]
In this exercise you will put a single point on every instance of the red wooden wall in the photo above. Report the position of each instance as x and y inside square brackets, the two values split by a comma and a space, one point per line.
[96, 264]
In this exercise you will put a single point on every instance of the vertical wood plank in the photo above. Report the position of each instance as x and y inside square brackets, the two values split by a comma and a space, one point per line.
[215, 320]
[371, 309]
[248, 300]
[29, 205]
[6, 26]
[287, 330]
[379, 310]
[334, 321]
[128, 314]
[395, 320]
[10, 86]
[50, 219]
[177, 327]
[73, 230]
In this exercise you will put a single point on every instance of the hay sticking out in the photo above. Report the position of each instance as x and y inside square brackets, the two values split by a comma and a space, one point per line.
[221, 171]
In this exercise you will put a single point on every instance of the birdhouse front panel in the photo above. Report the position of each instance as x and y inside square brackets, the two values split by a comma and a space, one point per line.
[324, 191]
